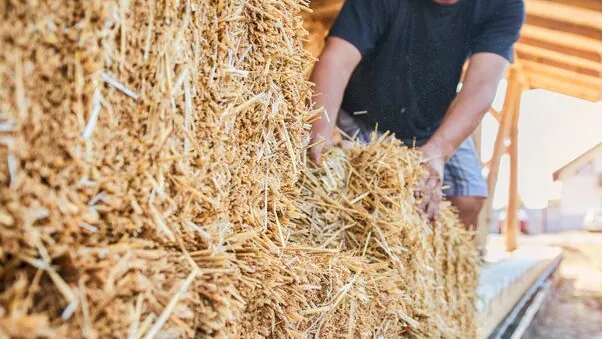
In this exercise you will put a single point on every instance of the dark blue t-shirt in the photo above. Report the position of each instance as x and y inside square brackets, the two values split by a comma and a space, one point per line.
[412, 56]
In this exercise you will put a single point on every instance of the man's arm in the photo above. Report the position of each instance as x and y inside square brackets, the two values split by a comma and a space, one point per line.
[330, 76]
[463, 116]
[355, 32]
[466, 111]
[491, 50]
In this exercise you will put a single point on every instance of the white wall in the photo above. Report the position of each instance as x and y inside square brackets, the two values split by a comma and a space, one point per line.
[553, 220]
[579, 194]
[598, 163]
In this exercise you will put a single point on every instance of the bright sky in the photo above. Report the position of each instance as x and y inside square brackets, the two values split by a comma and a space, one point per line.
[553, 130]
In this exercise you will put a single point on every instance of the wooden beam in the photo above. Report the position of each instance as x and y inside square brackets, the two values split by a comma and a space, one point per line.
[495, 114]
[326, 11]
[567, 50]
[564, 13]
[596, 5]
[562, 26]
[319, 4]
[562, 75]
[512, 229]
[487, 164]
[551, 57]
[522, 77]
[565, 42]
[566, 88]
[511, 99]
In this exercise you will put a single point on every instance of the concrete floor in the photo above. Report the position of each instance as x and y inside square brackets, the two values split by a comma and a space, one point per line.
[573, 309]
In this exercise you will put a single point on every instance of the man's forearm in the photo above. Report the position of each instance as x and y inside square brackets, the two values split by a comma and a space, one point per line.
[466, 111]
[330, 83]
[330, 76]
[461, 119]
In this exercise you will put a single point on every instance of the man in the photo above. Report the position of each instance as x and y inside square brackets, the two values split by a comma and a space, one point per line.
[396, 64]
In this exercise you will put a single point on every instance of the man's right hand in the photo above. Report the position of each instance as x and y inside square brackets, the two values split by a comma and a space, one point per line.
[428, 190]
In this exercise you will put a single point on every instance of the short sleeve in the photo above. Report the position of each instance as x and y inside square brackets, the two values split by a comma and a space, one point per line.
[501, 30]
[361, 23]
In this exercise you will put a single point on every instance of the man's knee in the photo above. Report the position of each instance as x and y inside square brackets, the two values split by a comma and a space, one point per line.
[468, 206]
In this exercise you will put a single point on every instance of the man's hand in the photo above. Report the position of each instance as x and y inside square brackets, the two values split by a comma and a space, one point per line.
[429, 189]
[319, 142]
[315, 153]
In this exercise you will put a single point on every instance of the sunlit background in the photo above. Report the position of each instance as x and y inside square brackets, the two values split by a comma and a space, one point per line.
[553, 130]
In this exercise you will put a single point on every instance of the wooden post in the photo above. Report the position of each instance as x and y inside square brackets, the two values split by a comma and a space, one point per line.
[512, 230]
[513, 92]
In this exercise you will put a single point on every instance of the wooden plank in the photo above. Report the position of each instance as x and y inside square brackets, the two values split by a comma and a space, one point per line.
[567, 50]
[495, 114]
[565, 13]
[326, 11]
[589, 4]
[550, 57]
[513, 199]
[562, 26]
[566, 88]
[562, 75]
[564, 42]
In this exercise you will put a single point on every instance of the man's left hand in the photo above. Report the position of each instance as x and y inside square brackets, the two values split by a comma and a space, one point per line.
[428, 190]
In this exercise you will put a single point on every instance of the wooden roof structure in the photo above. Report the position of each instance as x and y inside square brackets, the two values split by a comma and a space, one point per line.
[560, 48]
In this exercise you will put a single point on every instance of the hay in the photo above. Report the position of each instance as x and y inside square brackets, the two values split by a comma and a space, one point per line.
[402, 276]
[135, 130]
[153, 183]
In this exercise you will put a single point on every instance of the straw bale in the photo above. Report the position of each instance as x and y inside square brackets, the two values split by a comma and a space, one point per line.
[134, 132]
[153, 183]
[405, 276]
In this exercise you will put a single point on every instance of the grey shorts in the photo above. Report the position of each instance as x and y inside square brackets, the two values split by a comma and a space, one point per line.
[462, 174]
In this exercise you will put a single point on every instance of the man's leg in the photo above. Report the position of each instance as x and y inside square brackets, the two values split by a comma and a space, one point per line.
[352, 127]
[468, 209]
[464, 185]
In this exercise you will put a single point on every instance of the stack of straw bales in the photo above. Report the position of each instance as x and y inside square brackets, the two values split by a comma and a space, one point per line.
[134, 132]
[153, 184]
